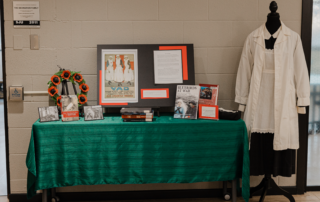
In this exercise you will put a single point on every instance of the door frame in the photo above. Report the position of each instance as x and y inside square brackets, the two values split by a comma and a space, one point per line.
[5, 101]
[306, 37]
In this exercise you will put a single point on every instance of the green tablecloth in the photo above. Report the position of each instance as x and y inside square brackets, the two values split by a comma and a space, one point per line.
[110, 151]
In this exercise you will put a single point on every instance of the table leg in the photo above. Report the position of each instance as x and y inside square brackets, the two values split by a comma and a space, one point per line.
[225, 187]
[53, 192]
[234, 190]
[44, 195]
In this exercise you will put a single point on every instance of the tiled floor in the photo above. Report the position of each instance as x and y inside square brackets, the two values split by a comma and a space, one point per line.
[3, 175]
[308, 197]
[3, 199]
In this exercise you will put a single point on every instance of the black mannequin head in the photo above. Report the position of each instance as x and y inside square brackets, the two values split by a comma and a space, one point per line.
[273, 21]
[273, 7]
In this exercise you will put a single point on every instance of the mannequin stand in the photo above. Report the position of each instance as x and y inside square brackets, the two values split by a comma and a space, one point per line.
[266, 184]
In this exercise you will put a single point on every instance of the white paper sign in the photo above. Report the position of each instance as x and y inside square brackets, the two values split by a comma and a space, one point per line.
[209, 112]
[26, 14]
[154, 93]
[167, 66]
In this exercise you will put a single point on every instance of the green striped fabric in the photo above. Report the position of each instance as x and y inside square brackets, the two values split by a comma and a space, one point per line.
[110, 151]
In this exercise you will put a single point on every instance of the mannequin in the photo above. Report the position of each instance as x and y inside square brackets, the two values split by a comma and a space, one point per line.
[272, 25]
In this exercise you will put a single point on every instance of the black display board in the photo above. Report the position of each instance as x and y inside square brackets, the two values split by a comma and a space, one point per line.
[146, 73]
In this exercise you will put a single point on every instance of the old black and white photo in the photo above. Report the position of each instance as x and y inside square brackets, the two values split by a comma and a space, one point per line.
[93, 113]
[47, 114]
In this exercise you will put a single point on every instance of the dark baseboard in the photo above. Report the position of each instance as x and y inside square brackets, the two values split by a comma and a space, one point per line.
[23, 198]
[135, 195]
[142, 195]
[313, 188]
[124, 195]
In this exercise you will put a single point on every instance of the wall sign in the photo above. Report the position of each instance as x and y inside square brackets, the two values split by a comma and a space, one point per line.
[16, 93]
[26, 14]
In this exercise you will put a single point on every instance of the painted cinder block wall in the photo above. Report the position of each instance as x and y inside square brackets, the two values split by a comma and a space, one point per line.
[71, 29]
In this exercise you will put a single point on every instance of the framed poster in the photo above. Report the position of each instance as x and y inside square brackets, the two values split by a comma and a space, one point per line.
[119, 76]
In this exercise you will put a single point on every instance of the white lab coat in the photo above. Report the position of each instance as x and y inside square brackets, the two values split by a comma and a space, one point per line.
[291, 87]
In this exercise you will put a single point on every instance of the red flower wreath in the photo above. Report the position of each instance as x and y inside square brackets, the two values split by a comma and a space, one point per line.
[77, 77]
[82, 99]
[55, 80]
[53, 90]
[66, 74]
[84, 87]
[59, 101]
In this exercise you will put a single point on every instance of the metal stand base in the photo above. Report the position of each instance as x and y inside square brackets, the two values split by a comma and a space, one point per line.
[266, 184]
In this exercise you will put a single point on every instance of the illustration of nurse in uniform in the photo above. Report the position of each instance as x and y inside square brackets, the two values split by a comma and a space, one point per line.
[128, 72]
[118, 74]
[109, 70]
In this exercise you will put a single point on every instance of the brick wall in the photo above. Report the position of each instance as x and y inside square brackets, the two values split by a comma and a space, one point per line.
[71, 29]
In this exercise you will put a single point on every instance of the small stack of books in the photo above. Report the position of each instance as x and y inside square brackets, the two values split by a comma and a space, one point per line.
[137, 114]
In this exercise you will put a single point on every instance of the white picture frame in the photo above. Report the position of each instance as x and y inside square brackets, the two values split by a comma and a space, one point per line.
[119, 80]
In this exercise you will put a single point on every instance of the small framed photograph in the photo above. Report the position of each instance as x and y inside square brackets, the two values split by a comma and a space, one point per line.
[208, 112]
[92, 113]
[47, 114]
[209, 94]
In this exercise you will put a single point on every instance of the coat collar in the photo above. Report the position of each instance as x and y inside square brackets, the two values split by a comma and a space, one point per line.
[267, 35]
[259, 34]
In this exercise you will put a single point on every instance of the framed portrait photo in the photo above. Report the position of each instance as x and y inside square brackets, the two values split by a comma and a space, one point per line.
[69, 108]
[119, 76]
[47, 114]
[92, 113]
[208, 112]
[209, 94]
